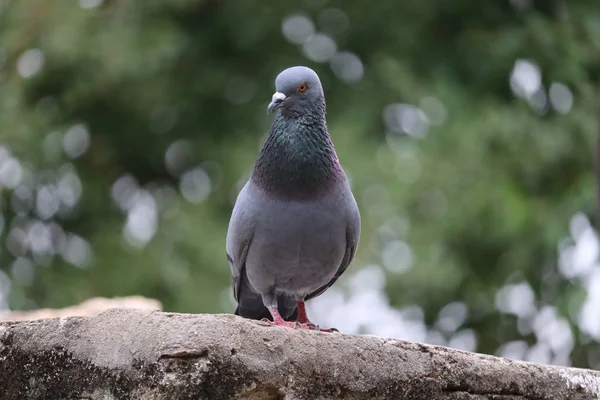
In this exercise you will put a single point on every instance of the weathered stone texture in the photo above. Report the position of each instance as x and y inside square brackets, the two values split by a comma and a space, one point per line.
[141, 354]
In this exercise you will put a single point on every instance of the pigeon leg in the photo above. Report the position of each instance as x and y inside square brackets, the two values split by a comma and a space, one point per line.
[302, 316]
[303, 319]
[270, 301]
[278, 319]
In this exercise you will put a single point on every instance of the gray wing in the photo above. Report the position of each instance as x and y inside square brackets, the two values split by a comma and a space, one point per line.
[239, 240]
[352, 238]
[239, 237]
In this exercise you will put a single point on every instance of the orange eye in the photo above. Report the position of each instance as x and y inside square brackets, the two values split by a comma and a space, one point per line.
[302, 88]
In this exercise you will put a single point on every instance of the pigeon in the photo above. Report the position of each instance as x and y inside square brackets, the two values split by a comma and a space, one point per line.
[295, 225]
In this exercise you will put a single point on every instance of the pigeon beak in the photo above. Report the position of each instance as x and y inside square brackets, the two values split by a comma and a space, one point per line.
[276, 102]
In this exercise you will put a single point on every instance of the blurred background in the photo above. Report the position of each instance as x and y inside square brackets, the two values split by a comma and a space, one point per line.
[127, 129]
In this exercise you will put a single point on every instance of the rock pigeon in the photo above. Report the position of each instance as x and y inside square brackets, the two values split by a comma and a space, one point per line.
[295, 225]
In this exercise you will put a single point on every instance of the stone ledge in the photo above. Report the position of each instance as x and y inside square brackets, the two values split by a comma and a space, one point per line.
[143, 354]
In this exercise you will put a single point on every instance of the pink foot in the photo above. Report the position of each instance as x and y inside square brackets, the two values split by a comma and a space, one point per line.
[278, 322]
[303, 319]
[298, 325]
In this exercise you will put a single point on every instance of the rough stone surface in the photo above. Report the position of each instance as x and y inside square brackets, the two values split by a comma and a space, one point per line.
[141, 354]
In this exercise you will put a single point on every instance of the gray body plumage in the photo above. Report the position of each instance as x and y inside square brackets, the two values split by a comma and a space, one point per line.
[295, 225]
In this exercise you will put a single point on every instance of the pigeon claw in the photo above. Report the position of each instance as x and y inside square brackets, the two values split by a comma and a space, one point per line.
[295, 325]
[289, 324]
[301, 323]
[329, 330]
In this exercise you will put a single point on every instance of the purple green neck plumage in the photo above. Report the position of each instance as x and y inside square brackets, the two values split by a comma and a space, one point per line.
[298, 159]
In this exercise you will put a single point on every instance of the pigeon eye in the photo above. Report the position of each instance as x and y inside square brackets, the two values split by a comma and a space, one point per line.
[302, 88]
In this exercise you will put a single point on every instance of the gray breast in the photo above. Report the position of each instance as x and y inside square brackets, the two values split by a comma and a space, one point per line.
[296, 246]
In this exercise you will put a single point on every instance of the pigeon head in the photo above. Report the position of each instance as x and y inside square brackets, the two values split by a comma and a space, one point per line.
[296, 89]
[298, 160]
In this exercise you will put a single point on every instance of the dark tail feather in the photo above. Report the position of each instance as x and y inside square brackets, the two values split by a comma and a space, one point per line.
[259, 312]
[250, 305]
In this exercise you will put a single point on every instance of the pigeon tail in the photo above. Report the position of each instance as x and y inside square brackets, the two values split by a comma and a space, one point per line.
[259, 313]
[250, 304]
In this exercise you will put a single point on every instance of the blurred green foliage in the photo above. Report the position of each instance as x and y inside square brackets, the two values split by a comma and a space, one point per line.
[485, 197]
